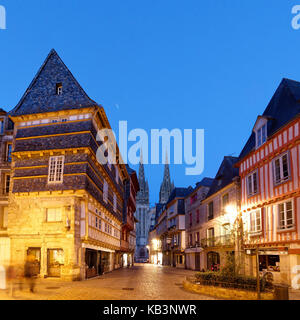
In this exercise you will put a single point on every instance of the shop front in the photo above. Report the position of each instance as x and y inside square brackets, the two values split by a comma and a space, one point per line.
[98, 261]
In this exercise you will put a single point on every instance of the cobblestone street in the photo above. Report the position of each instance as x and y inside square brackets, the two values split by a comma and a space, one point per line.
[142, 282]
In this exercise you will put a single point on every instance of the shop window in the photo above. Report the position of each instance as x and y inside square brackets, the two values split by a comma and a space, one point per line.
[269, 263]
[213, 261]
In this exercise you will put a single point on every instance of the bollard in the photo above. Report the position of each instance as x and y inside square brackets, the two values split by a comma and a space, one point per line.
[281, 292]
[2, 278]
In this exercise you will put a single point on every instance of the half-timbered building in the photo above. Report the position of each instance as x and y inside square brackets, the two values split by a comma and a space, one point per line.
[270, 193]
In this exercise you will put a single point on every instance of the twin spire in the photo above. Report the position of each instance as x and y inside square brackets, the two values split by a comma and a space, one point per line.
[166, 187]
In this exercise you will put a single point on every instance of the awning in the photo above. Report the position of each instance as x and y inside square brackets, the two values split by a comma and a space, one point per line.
[93, 247]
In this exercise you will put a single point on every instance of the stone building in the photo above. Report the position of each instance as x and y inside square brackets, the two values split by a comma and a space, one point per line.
[6, 137]
[65, 208]
[142, 213]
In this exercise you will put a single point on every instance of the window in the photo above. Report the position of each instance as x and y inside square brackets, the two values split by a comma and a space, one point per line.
[59, 89]
[255, 221]
[281, 168]
[261, 135]
[54, 215]
[105, 191]
[56, 168]
[191, 240]
[225, 200]
[115, 203]
[197, 237]
[194, 198]
[286, 216]
[1, 126]
[8, 152]
[210, 211]
[252, 184]
[3, 218]
[191, 219]
[7, 184]
[198, 216]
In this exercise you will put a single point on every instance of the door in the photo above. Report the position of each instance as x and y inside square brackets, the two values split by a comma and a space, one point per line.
[55, 259]
[36, 253]
[197, 261]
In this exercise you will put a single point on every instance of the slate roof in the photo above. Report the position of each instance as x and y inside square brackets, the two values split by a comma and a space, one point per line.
[282, 108]
[205, 182]
[41, 94]
[224, 176]
[179, 192]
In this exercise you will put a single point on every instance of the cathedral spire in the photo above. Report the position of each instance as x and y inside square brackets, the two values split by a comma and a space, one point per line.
[167, 186]
[143, 194]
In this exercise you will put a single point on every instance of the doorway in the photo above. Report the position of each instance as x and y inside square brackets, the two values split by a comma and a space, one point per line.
[197, 261]
[36, 253]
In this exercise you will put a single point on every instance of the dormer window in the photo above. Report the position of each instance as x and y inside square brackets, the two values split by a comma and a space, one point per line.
[59, 89]
[261, 135]
[260, 129]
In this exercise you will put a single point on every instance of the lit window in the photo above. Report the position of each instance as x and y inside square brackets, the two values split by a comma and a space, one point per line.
[54, 215]
[56, 168]
[281, 168]
[59, 89]
[225, 200]
[261, 135]
[255, 221]
[286, 216]
[252, 184]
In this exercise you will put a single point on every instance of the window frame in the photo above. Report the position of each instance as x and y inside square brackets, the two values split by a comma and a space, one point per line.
[259, 134]
[8, 156]
[210, 217]
[251, 174]
[291, 226]
[55, 173]
[255, 230]
[54, 221]
[282, 180]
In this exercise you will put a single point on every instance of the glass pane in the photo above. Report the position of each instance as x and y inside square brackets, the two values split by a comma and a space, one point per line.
[254, 183]
[285, 169]
[277, 170]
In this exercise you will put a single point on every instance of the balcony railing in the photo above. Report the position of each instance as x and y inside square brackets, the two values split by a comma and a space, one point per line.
[225, 240]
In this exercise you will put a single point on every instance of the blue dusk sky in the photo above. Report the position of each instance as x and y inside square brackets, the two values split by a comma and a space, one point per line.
[212, 65]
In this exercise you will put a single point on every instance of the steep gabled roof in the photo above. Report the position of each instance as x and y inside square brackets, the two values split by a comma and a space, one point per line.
[41, 94]
[224, 176]
[282, 108]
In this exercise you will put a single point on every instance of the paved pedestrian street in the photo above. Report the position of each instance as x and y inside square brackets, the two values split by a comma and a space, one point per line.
[142, 282]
